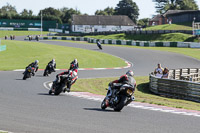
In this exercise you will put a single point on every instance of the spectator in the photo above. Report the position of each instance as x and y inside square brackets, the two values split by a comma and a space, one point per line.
[165, 73]
[6, 37]
[158, 71]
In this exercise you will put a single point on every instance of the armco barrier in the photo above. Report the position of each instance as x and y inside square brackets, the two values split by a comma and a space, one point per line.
[129, 42]
[182, 84]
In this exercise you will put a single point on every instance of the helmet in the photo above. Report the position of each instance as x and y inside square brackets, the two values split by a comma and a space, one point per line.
[53, 60]
[129, 73]
[75, 61]
[36, 61]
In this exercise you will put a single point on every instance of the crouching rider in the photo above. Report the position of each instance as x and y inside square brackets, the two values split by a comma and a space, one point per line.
[72, 77]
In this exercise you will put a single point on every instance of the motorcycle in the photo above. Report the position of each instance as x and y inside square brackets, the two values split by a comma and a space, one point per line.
[49, 69]
[99, 45]
[120, 97]
[37, 38]
[59, 87]
[28, 72]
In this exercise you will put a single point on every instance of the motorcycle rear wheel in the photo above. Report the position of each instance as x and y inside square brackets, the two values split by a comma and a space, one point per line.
[121, 104]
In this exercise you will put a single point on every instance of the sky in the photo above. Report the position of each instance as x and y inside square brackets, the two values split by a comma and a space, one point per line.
[147, 7]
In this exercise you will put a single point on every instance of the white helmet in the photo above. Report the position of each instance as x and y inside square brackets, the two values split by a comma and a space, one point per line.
[36, 61]
[129, 73]
[75, 61]
[53, 60]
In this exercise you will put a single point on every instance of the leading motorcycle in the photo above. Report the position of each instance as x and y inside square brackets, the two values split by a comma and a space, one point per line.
[120, 97]
[99, 45]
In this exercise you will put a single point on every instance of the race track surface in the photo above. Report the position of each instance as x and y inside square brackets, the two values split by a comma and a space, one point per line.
[25, 106]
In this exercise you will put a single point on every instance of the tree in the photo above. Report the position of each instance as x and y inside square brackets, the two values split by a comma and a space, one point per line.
[50, 11]
[107, 11]
[129, 8]
[24, 13]
[143, 22]
[8, 11]
[164, 5]
[188, 5]
[67, 14]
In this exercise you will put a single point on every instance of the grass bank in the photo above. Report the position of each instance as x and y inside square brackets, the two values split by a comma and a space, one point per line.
[173, 37]
[181, 26]
[194, 53]
[19, 54]
[142, 93]
[20, 33]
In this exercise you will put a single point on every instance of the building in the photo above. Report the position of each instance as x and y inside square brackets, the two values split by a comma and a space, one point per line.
[176, 16]
[157, 20]
[99, 23]
[182, 16]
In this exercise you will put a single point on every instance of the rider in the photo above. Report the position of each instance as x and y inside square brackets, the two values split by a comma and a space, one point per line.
[53, 64]
[74, 64]
[124, 79]
[35, 66]
[73, 74]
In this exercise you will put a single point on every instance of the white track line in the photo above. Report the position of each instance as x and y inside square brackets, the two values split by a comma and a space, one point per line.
[94, 97]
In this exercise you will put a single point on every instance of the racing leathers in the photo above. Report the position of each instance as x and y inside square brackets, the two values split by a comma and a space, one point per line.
[72, 74]
[124, 79]
[53, 64]
[35, 66]
[74, 65]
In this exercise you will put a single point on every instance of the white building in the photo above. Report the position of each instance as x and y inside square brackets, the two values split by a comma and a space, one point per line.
[99, 23]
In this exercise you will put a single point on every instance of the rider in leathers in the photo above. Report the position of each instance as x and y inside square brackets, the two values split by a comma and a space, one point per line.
[124, 79]
[35, 66]
[72, 73]
[53, 64]
[74, 64]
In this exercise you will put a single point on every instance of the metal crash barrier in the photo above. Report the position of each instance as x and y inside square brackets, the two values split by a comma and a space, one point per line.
[181, 84]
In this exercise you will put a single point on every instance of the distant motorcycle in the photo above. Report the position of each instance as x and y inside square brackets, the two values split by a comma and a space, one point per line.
[58, 87]
[49, 69]
[99, 45]
[120, 97]
[28, 72]
[37, 38]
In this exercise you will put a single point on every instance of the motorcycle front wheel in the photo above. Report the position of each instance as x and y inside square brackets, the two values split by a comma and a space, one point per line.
[103, 104]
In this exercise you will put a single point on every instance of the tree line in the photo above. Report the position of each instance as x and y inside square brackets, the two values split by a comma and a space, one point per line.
[124, 7]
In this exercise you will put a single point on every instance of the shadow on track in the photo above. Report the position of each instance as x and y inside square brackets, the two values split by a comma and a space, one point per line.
[98, 109]
[97, 49]
[19, 79]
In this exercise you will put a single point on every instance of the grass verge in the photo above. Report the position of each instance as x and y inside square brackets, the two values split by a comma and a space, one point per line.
[142, 93]
[19, 54]
[181, 26]
[20, 33]
[194, 53]
[173, 37]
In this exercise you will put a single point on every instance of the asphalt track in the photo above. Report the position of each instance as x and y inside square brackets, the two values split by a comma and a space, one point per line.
[25, 106]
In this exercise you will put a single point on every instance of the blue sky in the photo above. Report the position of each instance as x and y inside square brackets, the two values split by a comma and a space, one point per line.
[147, 7]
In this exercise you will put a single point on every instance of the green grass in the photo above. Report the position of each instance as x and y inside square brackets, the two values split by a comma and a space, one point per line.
[20, 33]
[142, 93]
[19, 54]
[184, 26]
[173, 37]
[194, 53]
